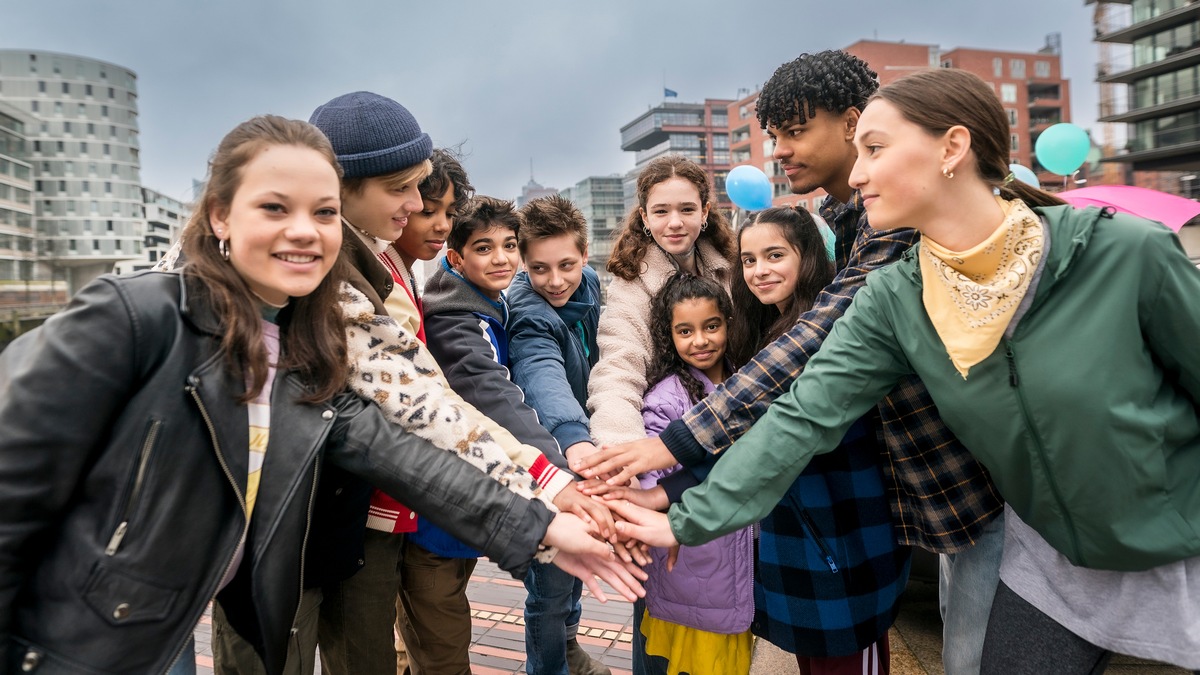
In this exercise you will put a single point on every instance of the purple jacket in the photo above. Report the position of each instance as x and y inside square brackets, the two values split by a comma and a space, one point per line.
[712, 586]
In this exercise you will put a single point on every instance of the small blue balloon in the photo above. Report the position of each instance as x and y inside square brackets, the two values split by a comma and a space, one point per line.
[829, 237]
[1062, 148]
[1025, 175]
[748, 187]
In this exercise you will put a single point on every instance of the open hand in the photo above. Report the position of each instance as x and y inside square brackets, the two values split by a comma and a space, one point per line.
[625, 461]
[652, 498]
[586, 557]
[644, 525]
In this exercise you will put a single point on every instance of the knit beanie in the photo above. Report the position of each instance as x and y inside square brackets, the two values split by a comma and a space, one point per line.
[372, 135]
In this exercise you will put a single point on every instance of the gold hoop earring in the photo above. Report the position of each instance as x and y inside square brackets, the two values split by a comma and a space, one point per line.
[223, 247]
[947, 172]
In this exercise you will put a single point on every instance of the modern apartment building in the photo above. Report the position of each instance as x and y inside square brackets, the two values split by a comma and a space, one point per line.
[17, 240]
[601, 200]
[83, 153]
[165, 218]
[698, 130]
[1149, 75]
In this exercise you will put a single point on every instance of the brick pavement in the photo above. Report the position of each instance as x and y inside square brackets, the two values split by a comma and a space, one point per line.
[498, 627]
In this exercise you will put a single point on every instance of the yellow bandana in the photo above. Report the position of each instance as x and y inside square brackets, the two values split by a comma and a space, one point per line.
[971, 296]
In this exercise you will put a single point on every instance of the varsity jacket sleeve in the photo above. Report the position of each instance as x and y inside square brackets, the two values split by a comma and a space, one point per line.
[539, 370]
[392, 368]
[724, 415]
[60, 389]
[506, 527]
[858, 365]
[1169, 308]
[400, 307]
[618, 380]
[468, 360]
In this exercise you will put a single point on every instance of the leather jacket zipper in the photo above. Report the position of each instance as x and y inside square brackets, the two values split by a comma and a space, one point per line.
[312, 497]
[212, 432]
[139, 479]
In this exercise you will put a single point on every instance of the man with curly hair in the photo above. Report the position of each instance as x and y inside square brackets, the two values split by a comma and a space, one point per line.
[942, 500]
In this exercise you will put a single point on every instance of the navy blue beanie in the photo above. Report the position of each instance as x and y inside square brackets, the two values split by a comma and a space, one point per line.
[372, 135]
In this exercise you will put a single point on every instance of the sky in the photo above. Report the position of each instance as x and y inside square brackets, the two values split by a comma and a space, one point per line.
[544, 81]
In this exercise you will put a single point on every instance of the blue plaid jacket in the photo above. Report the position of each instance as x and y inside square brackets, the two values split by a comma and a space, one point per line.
[940, 497]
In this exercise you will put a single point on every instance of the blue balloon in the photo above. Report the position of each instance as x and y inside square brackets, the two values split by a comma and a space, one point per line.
[1062, 148]
[748, 187]
[1025, 175]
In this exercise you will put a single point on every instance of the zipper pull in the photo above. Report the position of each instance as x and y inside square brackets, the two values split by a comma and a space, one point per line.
[1012, 365]
[115, 542]
[832, 565]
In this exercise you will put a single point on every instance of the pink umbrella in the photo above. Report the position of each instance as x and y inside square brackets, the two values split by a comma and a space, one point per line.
[1167, 209]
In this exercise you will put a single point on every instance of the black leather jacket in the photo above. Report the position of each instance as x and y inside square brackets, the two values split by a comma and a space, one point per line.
[123, 462]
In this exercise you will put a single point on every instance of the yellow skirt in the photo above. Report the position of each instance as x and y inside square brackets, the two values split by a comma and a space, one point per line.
[697, 652]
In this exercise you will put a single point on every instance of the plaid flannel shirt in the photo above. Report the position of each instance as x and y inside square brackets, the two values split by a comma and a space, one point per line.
[939, 495]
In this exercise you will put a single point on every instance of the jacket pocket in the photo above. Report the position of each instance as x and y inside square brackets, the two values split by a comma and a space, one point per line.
[815, 534]
[121, 599]
[135, 492]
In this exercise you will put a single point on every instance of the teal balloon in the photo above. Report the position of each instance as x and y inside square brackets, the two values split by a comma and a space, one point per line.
[1025, 175]
[829, 237]
[1062, 148]
[748, 187]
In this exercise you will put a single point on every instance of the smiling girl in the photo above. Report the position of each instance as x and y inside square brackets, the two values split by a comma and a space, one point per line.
[674, 228]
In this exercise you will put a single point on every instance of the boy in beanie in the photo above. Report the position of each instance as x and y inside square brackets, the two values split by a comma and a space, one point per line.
[385, 155]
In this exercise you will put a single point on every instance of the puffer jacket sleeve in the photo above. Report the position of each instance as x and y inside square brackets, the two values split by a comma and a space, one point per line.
[456, 496]
[619, 379]
[664, 403]
[61, 386]
[539, 370]
[392, 368]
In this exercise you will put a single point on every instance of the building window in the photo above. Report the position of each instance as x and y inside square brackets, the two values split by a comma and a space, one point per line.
[58, 108]
[41, 87]
[1008, 93]
[67, 128]
[1041, 68]
[83, 147]
[66, 87]
[91, 129]
[81, 110]
[998, 67]
[104, 111]
[1016, 68]
[1012, 117]
[112, 93]
[1014, 142]
[87, 89]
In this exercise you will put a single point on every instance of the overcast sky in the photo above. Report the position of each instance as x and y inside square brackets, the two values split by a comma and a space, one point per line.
[551, 81]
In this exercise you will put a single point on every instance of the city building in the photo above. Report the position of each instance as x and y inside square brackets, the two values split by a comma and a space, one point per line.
[165, 218]
[534, 190]
[1149, 76]
[698, 130]
[601, 200]
[83, 152]
[17, 240]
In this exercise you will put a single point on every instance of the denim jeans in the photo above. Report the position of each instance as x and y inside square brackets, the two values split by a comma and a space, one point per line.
[186, 665]
[552, 613]
[967, 583]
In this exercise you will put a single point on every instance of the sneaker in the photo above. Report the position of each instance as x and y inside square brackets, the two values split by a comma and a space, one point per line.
[580, 662]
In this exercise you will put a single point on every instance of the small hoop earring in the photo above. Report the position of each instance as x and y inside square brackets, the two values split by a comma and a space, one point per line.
[704, 225]
[646, 231]
[223, 247]
[947, 172]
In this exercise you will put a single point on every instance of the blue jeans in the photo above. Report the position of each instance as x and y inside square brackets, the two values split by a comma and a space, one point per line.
[552, 613]
[967, 583]
[186, 665]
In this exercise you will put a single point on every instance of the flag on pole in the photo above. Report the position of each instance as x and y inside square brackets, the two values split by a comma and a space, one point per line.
[670, 93]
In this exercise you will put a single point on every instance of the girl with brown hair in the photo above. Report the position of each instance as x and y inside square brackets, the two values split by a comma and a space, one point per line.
[675, 227]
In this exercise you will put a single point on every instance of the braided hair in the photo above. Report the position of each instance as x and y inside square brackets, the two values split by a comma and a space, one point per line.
[830, 80]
